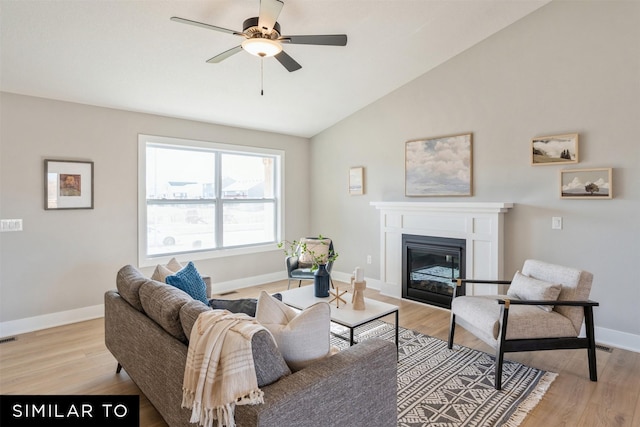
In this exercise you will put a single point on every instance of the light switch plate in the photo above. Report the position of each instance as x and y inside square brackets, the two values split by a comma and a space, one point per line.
[556, 223]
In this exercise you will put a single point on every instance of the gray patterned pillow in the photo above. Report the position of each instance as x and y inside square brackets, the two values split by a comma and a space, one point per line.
[244, 305]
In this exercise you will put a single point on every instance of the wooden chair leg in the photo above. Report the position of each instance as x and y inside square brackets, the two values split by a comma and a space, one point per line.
[118, 368]
[504, 317]
[452, 329]
[499, 360]
[591, 350]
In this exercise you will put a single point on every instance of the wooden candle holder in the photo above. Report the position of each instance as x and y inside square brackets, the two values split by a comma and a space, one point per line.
[358, 293]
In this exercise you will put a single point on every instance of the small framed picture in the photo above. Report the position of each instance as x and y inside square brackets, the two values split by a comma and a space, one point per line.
[68, 184]
[586, 184]
[356, 181]
[554, 150]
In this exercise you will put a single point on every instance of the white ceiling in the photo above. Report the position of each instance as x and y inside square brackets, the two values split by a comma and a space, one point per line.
[128, 55]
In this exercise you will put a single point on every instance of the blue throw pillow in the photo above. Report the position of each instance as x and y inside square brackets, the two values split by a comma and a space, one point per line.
[189, 280]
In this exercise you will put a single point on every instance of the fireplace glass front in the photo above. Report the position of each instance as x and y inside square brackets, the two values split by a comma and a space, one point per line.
[429, 265]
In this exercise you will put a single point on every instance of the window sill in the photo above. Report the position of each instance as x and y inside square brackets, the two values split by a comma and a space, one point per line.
[184, 257]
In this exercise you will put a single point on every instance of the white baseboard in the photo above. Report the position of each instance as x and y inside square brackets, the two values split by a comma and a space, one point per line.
[36, 323]
[609, 337]
[245, 282]
[613, 338]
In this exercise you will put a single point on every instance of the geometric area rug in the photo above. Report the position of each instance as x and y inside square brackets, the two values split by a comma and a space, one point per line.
[454, 388]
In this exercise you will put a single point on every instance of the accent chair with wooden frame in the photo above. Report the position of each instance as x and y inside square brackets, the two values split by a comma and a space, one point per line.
[512, 323]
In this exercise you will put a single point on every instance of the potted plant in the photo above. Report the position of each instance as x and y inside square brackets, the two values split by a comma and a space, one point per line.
[315, 253]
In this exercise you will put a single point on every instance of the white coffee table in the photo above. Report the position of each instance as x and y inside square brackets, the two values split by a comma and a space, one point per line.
[346, 316]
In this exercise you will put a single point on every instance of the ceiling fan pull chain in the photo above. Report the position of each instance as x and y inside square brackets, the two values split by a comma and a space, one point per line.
[262, 76]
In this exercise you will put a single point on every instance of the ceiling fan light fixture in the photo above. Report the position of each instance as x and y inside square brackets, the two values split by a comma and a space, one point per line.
[262, 47]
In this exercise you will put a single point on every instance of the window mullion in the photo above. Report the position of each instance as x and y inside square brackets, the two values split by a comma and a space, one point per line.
[219, 207]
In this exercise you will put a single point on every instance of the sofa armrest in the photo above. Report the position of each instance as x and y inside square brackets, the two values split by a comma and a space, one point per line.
[357, 386]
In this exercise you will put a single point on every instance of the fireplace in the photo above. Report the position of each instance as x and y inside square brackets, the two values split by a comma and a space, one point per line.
[479, 224]
[428, 266]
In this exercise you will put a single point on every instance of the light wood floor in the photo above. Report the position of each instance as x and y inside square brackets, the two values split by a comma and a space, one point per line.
[73, 359]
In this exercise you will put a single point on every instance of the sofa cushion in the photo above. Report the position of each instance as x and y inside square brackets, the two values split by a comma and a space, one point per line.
[243, 305]
[529, 289]
[162, 303]
[269, 364]
[302, 338]
[189, 280]
[128, 281]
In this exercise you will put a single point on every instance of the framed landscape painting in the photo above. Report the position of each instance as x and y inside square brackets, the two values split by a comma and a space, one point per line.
[554, 150]
[356, 181]
[586, 184]
[439, 166]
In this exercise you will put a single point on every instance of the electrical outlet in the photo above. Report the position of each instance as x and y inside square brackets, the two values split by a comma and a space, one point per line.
[556, 223]
[11, 225]
[368, 259]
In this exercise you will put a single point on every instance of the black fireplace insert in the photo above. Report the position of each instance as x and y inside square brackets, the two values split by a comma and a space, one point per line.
[428, 266]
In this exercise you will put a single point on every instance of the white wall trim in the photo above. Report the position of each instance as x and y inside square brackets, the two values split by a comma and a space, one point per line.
[618, 339]
[245, 282]
[604, 336]
[45, 321]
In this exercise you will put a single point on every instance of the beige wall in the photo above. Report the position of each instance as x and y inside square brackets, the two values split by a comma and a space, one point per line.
[568, 67]
[66, 260]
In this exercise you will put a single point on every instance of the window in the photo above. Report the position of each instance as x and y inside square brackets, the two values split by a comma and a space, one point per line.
[206, 199]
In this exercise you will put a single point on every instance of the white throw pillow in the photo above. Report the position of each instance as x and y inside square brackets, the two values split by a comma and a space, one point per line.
[320, 249]
[530, 289]
[302, 338]
[161, 272]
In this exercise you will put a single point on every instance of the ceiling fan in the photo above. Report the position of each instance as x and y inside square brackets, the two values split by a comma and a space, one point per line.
[263, 38]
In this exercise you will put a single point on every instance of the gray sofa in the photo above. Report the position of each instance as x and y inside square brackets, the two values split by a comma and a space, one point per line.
[147, 325]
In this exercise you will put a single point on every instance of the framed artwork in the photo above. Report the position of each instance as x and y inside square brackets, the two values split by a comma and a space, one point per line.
[586, 184]
[356, 181]
[439, 166]
[554, 150]
[68, 184]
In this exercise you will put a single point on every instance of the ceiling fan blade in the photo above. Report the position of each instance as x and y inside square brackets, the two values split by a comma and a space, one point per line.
[269, 12]
[325, 40]
[207, 26]
[288, 62]
[224, 55]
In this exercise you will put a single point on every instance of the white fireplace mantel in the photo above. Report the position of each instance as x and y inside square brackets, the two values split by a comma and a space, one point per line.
[479, 223]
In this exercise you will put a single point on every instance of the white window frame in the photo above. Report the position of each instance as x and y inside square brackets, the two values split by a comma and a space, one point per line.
[145, 260]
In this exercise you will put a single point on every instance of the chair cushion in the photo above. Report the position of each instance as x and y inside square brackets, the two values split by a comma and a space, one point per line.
[302, 273]
[525, 321]
[319, 247]
[189, 280]
[301, 338]
[530, 289]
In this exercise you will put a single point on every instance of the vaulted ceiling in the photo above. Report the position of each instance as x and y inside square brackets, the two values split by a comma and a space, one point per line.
[127, 54]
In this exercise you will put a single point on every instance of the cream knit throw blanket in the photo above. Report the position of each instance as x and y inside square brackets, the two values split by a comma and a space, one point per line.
[219, 373]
